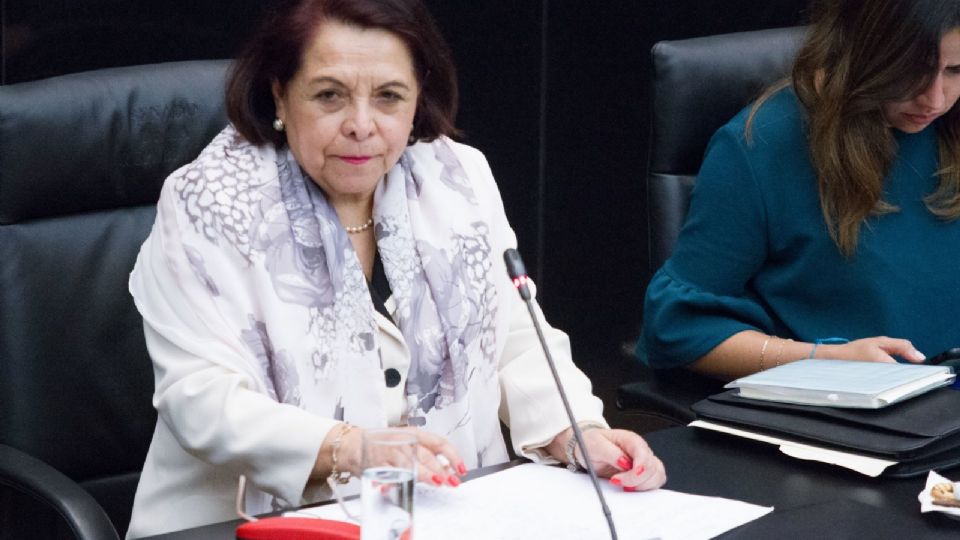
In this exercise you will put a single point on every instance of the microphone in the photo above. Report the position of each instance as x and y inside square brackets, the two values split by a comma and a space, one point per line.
[518, 274]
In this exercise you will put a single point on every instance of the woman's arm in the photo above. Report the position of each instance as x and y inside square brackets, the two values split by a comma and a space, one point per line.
[220, 416]
[701, 297]
[530, 404]
[751, 351]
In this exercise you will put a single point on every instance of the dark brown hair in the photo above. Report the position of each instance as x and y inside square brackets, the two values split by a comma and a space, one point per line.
[277, 48]
[857, 56]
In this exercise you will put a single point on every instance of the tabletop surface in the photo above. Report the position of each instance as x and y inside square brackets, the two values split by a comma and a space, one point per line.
[811, 500]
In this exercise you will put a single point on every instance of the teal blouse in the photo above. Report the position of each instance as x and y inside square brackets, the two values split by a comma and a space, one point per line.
[754, 252]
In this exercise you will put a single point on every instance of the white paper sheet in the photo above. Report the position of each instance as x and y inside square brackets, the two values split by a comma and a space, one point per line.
[536, 501]
[867, 465]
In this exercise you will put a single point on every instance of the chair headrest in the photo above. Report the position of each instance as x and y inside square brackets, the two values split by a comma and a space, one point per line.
[701, 83]
[103, 139]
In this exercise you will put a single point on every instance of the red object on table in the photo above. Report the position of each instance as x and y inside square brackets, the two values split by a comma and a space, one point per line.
[298, 528]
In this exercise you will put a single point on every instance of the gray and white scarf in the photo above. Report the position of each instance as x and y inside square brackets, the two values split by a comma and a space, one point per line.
[281, 275]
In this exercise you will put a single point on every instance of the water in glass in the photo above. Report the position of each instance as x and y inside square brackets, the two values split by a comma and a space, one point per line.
[386, 496]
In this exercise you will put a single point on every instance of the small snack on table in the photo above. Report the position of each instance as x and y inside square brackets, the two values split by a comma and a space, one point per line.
[945, 494]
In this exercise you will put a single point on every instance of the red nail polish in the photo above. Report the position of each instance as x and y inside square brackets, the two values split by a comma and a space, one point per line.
[453, 480]
[629, 489]
[437, 479]
[625, 463]
[639, 470]
[461, 468]
[615, 481]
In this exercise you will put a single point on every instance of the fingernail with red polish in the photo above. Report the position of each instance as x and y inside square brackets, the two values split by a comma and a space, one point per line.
[615, 481]
[453, 480]
[461, 468]
[437, 479]
[639, 470]
[629, 489]
[625, 463]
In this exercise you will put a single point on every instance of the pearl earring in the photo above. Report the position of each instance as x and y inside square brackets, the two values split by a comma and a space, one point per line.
[278, 124]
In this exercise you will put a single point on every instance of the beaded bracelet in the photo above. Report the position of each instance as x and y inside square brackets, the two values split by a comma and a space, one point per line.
[340, 477]
[827, 341]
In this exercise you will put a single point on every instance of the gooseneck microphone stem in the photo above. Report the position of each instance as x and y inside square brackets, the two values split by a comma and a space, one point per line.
[518, 274]
[573, 422]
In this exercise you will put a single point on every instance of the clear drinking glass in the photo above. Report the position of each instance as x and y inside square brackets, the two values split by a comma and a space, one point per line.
[386, 492]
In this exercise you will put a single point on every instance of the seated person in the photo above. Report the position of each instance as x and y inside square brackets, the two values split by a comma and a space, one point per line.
[827, 209]
[331, 262]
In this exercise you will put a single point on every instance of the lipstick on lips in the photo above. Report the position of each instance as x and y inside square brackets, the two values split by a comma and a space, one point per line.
[355, 160]
[920, 118]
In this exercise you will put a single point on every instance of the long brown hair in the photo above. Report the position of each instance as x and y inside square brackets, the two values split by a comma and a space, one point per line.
[857, 56]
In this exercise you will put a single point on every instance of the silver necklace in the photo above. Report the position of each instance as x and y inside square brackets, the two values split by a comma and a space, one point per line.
[358, 228]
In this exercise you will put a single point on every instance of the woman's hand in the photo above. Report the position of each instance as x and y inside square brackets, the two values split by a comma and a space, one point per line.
[622, 456]
[874, 349]
[438, 462]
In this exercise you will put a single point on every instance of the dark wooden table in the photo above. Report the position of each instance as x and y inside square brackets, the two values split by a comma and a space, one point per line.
[811, 500]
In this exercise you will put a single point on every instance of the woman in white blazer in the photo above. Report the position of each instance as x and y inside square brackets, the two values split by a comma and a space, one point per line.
[330, 263]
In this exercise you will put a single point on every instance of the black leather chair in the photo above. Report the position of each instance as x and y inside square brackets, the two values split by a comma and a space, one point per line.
[82, 159]
[698, 85]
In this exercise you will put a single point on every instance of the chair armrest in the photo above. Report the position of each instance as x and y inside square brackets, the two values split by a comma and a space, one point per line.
[85, 517]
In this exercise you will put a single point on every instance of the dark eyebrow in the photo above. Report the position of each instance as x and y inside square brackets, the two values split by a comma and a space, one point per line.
[336, 82]
[325, 79]
[393, 84]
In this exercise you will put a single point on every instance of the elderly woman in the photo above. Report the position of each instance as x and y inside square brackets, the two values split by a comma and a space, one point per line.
[331, 262]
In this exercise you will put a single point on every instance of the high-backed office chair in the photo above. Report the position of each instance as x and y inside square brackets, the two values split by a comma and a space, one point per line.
[698, 85]
[82, 159]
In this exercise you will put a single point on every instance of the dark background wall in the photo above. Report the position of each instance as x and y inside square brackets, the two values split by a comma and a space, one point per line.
[594, 246]
[556, 93]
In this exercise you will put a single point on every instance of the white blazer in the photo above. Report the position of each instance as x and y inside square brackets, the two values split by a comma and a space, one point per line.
[217, 422]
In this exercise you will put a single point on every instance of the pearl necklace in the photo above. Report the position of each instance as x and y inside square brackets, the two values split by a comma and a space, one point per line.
[358, 228]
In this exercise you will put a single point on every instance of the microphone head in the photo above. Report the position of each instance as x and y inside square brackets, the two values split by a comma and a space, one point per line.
[515, 268]
[517, 272]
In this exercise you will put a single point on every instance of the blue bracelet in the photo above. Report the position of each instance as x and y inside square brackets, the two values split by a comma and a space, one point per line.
[827, 341]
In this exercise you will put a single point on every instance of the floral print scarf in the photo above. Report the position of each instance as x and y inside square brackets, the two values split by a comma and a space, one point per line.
[278, 268]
